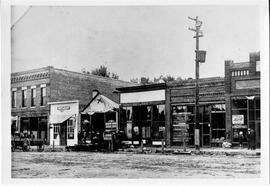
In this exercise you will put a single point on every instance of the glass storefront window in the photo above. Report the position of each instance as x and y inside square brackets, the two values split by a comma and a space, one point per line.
[239, 103]
[110, 117]
[129, 113]
[257, 103]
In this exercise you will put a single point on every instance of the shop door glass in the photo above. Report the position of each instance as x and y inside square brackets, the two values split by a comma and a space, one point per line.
[63, 133]
[205, 134]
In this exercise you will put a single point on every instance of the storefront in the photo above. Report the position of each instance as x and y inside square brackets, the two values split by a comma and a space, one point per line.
[142, 114]
[245, 113]
[63, 123]
[99, 120]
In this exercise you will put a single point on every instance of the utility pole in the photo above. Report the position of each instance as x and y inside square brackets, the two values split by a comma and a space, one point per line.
[200, 57]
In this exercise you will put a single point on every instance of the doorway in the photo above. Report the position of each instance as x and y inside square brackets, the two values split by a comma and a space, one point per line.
[63, 133]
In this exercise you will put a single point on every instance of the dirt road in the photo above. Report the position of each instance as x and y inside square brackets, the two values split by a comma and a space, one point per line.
[102, 165]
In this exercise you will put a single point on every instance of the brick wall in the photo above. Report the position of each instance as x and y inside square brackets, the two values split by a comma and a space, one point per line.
[66, 85]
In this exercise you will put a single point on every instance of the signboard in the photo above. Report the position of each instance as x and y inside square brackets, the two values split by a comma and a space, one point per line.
[247, 84]
[237, 119]
[196, 136]
[145, 96]
[62, 108]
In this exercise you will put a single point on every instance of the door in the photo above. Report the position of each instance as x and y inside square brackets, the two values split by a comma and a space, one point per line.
[63, 133]
[205, 134]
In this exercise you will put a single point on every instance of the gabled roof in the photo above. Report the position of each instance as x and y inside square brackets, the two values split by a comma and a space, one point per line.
[100, 104]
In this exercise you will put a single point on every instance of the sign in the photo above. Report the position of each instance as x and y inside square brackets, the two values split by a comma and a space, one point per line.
[201, 56]
[237, 119]
[62, 108]
[196, 136]
[247, 84]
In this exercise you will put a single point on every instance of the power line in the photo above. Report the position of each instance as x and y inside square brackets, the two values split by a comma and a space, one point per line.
[21, 17]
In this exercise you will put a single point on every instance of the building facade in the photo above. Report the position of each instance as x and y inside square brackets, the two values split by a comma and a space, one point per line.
[165, 112]
[32, 90]
[242, 87]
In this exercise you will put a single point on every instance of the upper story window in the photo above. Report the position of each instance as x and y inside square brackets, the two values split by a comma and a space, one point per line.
[24, 98]
[42, 96]
[13, 98]
[33, 96]
[237, 73]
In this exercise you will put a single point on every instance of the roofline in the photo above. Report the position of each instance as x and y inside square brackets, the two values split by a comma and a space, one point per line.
[51, 67]
[96, 76]
[143, 87]
[63, 102]
[31, 71]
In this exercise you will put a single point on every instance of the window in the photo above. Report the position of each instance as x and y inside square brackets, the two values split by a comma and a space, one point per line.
[23, 98]
[56, 130]
[33, 96]
[70, 128]
[13, 98]
[43, 95]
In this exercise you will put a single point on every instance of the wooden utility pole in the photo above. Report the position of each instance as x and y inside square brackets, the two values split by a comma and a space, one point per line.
[198, 34]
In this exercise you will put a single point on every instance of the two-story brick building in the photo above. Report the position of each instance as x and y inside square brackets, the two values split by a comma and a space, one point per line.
[32, 90]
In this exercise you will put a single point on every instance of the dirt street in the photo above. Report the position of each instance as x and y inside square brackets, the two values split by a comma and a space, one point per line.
[102, 165]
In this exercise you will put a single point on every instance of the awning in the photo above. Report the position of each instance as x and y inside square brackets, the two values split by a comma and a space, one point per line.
[14, 118]
[100, 104]
[60, 118]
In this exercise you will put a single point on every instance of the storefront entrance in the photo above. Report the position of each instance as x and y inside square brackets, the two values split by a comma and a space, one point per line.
[144, 123]
[63, 133]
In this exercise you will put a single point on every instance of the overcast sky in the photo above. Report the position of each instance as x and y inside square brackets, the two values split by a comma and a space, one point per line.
[133, 41]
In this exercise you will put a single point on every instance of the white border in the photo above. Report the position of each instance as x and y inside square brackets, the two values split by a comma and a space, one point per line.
[5, 98]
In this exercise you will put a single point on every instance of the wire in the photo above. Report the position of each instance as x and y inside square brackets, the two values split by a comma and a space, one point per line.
[21, 17]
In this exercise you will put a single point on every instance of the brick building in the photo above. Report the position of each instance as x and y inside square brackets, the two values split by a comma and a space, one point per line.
[166, 111]
[242, 90]
[32, 90]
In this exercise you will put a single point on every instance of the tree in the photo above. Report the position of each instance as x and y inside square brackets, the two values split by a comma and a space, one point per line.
[114, 76]
[101, 71]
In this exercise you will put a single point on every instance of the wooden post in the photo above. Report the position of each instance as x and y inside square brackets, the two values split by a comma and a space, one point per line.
[162, 145]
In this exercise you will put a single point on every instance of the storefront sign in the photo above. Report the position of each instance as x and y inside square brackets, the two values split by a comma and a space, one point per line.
[145, 96]
[247, 84]
[237, 119]
[62, 108]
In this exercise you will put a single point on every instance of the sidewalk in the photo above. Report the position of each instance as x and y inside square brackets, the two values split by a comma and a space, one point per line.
[203, 151]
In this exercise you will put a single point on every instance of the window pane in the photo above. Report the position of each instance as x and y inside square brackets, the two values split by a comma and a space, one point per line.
[251, 104]
[129, 113]
[258, 115]
[110, 117]
[239, 103]
[257, 103]
[251, 115]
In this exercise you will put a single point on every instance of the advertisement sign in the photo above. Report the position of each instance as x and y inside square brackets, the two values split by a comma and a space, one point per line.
[237, 119]
[196, 136]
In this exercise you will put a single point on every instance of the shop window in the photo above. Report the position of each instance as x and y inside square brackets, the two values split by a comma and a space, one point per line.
[251, 115]
[218, 107]
[33, 96]
[56, 130]
[257, 103]
[239, 103]
[23, 98]
[159, 113]
[158, 129]
[258, 115]
[129, 113]
[251, 104]
[70, 128]
[243, 114]
[13, 99]
[110, 117]
[42, 96]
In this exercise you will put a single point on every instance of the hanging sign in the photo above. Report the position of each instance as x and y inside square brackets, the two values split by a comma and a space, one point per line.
[237, 119]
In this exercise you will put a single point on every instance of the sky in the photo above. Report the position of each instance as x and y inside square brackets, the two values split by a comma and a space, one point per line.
[133, 41]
